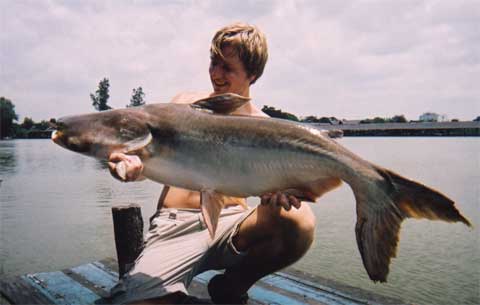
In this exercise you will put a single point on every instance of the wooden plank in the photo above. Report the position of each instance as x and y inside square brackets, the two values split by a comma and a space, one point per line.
[336, 288]
[17, 291]
[100, 278]
[256, 293]
[109, 264]
[97, 289]
[309, 292]
[62, 289]
[4, 301]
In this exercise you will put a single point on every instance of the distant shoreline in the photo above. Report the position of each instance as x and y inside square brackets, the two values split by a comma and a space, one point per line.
[414, 129]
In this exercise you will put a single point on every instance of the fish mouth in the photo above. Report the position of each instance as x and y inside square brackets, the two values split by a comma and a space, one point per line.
[57, 138]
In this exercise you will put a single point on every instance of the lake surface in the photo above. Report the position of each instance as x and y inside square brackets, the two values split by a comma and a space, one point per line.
[55, 213]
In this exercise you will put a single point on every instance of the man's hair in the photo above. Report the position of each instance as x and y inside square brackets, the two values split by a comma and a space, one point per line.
[249, 43]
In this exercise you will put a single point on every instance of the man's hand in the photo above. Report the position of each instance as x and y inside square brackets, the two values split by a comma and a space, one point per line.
[125, 167]
[281, 199]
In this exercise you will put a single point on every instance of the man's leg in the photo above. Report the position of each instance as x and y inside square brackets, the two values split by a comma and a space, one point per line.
[273, 239]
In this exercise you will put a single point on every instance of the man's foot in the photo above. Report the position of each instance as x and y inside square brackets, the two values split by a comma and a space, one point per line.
[221, 294]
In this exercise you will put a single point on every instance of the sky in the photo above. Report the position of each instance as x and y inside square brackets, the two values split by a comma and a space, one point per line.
[342, 58]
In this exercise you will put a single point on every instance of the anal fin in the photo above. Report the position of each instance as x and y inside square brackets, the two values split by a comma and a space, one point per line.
[212, 204]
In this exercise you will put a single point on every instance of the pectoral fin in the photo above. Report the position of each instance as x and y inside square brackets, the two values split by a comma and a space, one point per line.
[223, 103]
[138, 143]
[212, 204]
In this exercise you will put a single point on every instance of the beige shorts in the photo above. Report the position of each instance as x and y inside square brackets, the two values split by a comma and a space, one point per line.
[177, 248]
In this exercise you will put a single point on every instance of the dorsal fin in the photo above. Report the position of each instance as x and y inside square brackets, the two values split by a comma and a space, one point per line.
[223, 103]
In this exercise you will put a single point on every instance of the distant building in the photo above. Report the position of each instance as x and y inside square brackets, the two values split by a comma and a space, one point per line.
[433, 117]
[429, 117]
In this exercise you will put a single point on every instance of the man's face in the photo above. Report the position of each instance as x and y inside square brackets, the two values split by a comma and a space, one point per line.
[228, 75]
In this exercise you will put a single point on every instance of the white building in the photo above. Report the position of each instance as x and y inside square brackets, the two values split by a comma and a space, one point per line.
[429, 117]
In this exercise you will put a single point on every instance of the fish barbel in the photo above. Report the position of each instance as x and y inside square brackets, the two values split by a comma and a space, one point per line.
[198, 147]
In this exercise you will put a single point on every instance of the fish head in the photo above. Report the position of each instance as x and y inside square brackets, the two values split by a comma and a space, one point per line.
[100, 134]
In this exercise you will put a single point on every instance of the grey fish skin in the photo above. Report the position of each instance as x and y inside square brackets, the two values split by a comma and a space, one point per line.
[241, 156]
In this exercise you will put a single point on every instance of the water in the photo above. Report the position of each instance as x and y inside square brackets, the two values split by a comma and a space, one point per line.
[55, 213]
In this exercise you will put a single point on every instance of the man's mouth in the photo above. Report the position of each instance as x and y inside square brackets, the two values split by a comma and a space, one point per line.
[219, 83]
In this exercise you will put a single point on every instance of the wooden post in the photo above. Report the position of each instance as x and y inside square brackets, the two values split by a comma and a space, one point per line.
[128, 231]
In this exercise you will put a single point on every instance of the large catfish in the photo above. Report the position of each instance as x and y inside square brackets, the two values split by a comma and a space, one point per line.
[198, 147]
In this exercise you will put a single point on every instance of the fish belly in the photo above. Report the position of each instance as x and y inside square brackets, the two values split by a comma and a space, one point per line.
[234, 171]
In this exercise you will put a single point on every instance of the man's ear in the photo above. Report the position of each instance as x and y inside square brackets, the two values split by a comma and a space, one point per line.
[252, 78]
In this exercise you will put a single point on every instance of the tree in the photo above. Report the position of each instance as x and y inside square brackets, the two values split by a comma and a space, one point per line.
[100, 98]
[398, 119]
[7, 116]
[277, 113]
[27, 123]
[43, 125]
[137, 98]
[377, 120]
[310, 119]
[324, 120]
[477, 119]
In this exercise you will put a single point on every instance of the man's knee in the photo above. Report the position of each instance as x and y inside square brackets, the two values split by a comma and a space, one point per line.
[300, 220]
[295, 228]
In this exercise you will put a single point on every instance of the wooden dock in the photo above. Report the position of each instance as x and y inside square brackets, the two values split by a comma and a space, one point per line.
[90, 284]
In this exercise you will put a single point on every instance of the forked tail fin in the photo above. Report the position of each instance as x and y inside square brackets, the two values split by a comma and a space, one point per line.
[381, 210]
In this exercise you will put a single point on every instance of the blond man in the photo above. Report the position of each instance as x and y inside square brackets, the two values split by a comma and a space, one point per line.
[249, 243]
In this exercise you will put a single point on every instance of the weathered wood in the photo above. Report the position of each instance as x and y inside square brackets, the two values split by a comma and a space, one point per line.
[128, 231]
[90, 283]
[4, 301]
[17, 291]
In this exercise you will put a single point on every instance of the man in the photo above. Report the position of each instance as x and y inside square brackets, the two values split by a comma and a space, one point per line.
[249, 243]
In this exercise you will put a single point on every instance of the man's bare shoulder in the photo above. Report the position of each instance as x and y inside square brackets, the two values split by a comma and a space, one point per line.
[188, 97]
[250, 110]
[260, 113]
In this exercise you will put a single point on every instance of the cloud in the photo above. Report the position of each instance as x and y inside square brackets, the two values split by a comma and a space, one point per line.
[350, 59]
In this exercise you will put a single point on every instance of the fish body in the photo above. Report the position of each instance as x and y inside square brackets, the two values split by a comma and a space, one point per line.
[191, 147]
